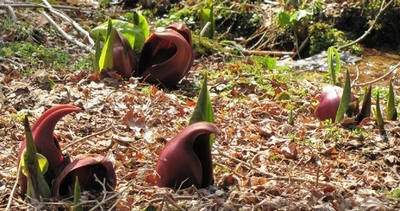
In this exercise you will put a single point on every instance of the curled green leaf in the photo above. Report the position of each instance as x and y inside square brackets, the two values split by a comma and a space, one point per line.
[334, 68]
[135, 34]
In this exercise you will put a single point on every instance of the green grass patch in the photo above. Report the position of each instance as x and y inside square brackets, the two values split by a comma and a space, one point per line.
[34, 55]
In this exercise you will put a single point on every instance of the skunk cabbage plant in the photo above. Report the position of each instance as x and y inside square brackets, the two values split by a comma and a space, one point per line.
[60, 168]
[84, 170]
[167, 55]
[124, 58]
[186, 159]
[45, 142]
[329, 103]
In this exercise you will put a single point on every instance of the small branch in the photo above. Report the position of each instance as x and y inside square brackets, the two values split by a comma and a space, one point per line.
[267, 53]
[68, 19]
[167, 198]
[380, 78]
[48, 5]
[357, 76]
[259, 40]
[64, 34]
[205, 28]
[87, 137]
[14, 188]
[302, 46]
[74, 24]
[39, 6]
[383, 7]
[104, 199]
[178, 198]
[12, 13]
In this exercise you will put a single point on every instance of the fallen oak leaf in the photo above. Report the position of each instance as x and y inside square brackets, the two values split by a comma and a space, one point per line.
[290, 151]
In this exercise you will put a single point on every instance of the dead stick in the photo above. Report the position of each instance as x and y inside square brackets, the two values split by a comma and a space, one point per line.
[14, 188]
[267, 53]
[302, 46]
[383, 8]
[74, 24]
[39, 6]
[12, 13]
[64, 34]
[89, 136]
[173, 203]
[382, 77]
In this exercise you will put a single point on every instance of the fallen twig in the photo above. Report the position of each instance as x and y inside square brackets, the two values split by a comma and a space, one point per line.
[64, 34]
[39, 6]
[169, 199]
[205, 28]
[68, 19]
[267, 53]
[156, 200]
[12, 13]
[104, 199]
[380, 78]
[74, 24]
[302, 46]
[383, 8]
[13, 189]
[89, 136]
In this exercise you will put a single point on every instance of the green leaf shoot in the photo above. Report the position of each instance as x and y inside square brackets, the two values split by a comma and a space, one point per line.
[207, 15]
[34, 166]
[203, 110]
[106, 57]
[345, 100]
[42, 161]
[269, 62]
[366, 105]
[291, 120]
[391, 113]
[97, 54]
[378, 114]
[77, 196]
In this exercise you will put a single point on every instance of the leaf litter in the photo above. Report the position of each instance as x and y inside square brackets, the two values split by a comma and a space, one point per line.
[261, 162]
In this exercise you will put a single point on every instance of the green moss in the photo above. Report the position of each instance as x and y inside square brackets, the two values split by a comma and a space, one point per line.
[205, 46]
[322, 36]
[186, 15]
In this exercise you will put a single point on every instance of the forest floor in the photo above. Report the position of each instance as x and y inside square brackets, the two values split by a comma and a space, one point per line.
[261, 162]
